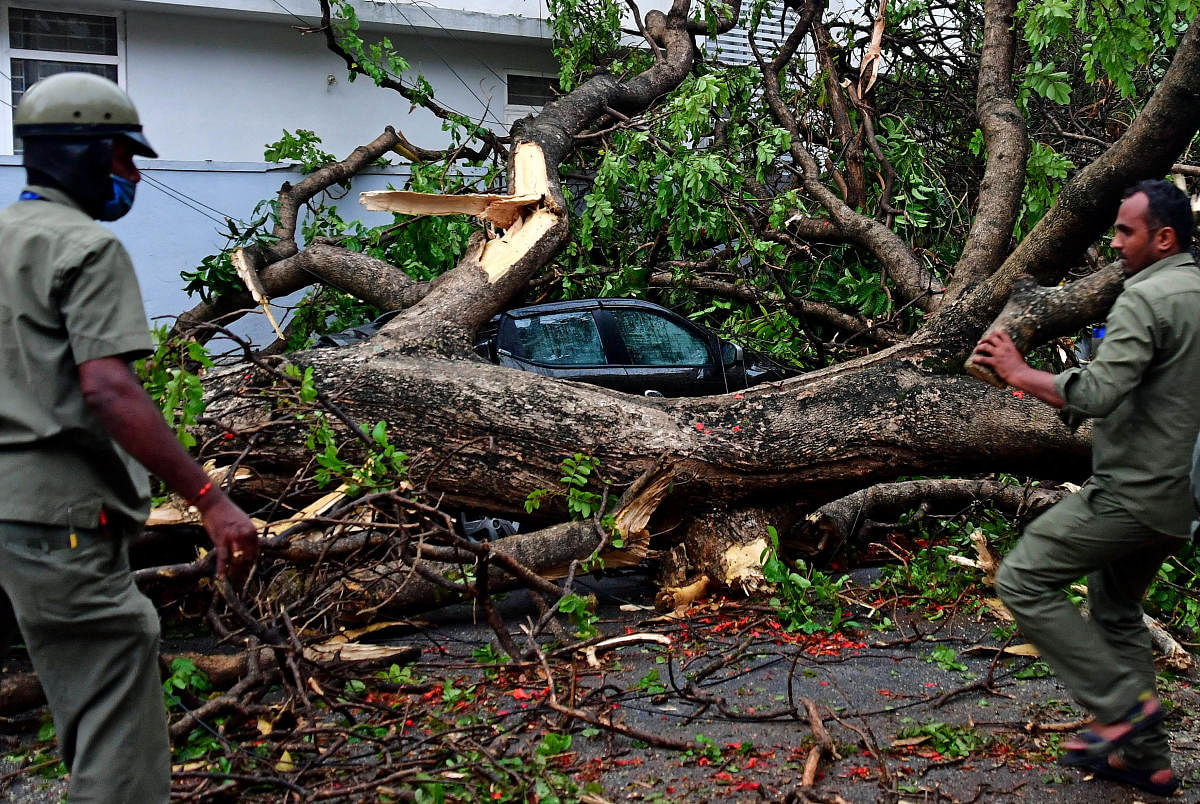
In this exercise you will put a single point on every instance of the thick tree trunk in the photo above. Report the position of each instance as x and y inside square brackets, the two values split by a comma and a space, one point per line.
[481, 436]
[485, 436]
[1088, 203]
[1007, 151]
[840, 521]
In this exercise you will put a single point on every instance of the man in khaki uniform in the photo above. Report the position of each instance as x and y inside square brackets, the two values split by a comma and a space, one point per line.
[1143, 388]
[76, 428]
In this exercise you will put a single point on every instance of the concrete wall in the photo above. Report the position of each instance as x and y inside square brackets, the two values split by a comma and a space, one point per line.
[230, 86]
[214, 82]
[369, 11]
[214, 88]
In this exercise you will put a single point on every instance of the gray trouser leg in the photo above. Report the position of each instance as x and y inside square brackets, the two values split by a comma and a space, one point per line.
[1105, 661]
[93, 639]
[8, 628]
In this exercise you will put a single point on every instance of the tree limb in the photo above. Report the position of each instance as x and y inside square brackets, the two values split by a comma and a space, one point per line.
[913, 280]
[1087, 204]
[1007, 148]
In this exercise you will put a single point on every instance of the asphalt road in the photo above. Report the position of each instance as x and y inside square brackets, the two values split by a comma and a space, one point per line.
[921, 711]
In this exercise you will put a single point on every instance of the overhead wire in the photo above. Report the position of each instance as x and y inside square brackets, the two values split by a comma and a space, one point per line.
[449, 33]
[191, 203]
[437, 52]
[294, 15]
[461, 80]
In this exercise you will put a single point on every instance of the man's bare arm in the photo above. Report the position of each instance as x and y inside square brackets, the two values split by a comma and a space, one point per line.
[114, 394]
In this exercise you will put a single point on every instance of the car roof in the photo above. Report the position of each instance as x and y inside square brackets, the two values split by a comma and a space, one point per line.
[584, 304]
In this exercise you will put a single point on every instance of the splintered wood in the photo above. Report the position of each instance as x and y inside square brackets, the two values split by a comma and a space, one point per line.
[502, 211]
[522, 214]
[245, 271]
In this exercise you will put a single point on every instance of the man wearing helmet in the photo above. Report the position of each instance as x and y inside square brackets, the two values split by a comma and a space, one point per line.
[76, 430]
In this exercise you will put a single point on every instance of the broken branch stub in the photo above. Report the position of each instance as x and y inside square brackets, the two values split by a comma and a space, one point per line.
[527, 215]
[1035, 314]
[245, 271]
[531, 188]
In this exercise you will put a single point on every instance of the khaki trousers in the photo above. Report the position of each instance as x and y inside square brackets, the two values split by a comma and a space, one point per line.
[1105, 660]
[93, 638]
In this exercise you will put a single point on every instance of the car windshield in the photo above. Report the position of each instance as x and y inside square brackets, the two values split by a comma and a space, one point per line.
[561, 339]
[654, 341]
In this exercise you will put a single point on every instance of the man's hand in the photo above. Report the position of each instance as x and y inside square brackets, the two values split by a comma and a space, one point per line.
[997, 351]
[233, 535]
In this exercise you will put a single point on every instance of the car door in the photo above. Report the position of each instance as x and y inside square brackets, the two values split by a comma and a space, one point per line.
[665, 354]
[565, 345]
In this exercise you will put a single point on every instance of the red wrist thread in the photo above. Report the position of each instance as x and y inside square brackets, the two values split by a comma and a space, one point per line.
[205, 489]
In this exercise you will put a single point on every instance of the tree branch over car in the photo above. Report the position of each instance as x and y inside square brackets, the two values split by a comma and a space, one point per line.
[732, 178]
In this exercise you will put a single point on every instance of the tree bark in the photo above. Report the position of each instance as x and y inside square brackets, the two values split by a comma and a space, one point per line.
[1086, 206]
[1007, 147]
[1035, 315]
[840, 521]
[486, 436]
[914, 281]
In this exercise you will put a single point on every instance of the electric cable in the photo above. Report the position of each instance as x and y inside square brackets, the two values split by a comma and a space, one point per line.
[437, 52]
[295, 16]
[396, 77]
[197, 201]
[449, 33]
[187, 201]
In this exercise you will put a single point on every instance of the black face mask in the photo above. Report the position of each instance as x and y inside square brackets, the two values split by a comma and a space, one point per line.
[79, 166]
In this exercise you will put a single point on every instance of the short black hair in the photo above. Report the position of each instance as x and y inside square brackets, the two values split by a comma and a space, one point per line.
[1169, 206]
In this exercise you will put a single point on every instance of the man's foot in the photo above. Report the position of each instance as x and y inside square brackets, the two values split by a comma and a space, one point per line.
[1160, 781]
[1103, 739]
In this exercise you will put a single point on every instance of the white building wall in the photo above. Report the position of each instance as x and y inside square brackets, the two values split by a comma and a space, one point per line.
[367, 10]
[215, 82]
[231, 86]
[219, 88]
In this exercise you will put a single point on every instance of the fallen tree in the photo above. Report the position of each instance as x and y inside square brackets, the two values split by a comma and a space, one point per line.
[357, 460]
[479, 436]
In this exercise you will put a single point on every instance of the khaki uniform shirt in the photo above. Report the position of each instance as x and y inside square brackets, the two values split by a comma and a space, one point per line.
[68, 294]
[1144, 388]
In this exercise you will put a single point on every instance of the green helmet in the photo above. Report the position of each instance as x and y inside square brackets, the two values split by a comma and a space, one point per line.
[80, 105]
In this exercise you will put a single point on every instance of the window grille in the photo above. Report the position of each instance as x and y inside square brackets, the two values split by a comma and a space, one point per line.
[45, 43]
[527, 94]
[733, 46]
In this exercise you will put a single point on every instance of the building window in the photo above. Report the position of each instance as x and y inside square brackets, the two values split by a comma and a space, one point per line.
[527, 94]
[733, 46]
[44, 43]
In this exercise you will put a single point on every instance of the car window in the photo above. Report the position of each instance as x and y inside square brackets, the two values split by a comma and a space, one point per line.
[561, 339]
[656, 341]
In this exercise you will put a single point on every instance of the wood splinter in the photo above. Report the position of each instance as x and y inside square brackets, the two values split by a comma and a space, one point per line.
[530, 189]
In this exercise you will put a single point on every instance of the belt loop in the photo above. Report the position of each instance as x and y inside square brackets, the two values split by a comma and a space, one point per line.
[72, 537]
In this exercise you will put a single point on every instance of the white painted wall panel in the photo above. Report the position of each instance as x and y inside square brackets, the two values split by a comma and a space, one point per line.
[366, 9]
[219, 89]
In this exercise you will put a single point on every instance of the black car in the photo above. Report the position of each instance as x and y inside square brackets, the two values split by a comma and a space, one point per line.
[624, 344]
